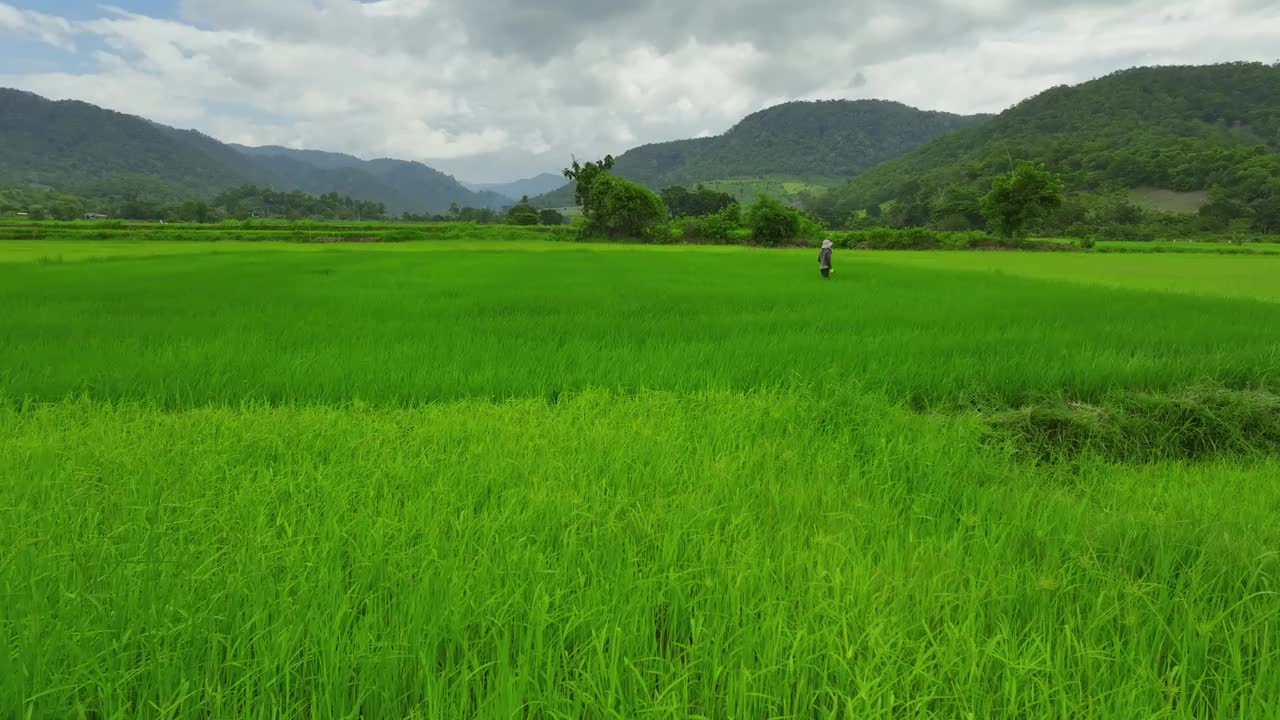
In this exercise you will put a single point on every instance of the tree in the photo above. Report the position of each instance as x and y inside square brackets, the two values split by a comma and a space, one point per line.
[551, 217]
[717, 227]
[1020, 198]
[1218, 213]
[702, 201]
[619, 209]
[771, 222]
[1118, 210]
[584, 177]
[958, 209]
[194, 211]
[523, 213]
[1073, 211]
[1266, 216]
[66, 207]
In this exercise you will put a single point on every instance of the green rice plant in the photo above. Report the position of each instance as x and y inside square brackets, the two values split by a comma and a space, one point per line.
[714, 554]
[483, 475]
[405, 324]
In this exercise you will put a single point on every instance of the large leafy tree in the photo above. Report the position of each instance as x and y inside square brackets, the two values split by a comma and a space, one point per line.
[619, 209]
[771, 222]
[584, 175]
[1020, 198]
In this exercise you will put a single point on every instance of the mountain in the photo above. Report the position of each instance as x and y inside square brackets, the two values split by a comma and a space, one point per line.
[534, 186]
[1184, 129]
[411, 185]
[823, 139]
[79, 148]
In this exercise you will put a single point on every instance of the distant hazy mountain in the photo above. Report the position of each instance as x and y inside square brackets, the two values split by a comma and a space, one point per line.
[825, 139]
[406, 183]
[534, 186]
[80, 148]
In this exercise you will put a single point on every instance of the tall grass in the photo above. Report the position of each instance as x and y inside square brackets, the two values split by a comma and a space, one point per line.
[774, 554]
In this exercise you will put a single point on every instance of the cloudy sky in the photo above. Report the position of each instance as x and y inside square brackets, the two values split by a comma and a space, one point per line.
[490, 90]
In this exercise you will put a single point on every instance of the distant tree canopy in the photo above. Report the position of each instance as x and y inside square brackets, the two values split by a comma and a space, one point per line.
[701, 201]
[1026, 195]
[615, 208]
[45, 203]
[522, 213]
[771, 222]
[551, 217]
[243, 203]
[253, 201]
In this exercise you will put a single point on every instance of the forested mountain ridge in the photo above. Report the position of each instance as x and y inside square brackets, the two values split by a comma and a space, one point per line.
[827, 138]
[412, 181]
[1182, 128]
[79, 148]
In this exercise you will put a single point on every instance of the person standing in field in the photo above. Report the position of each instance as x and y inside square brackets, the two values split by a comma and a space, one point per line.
[824, 259]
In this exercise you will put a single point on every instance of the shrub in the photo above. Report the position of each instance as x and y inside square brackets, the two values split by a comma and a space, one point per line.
[811, 228]
[771, 222]
[403, 235]
[717, 228]
[551, 217]
[522, 213]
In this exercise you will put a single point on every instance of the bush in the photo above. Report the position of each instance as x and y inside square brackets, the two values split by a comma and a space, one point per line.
[717, 228]
[771, 222]
[551, 217]
[522, 213]
[403, 235]
[622, 210]
[811, 228]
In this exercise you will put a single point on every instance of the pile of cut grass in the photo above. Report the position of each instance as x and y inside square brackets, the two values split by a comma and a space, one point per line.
[1189, 424]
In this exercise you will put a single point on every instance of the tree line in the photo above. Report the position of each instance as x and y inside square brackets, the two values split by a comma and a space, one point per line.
[244, 203]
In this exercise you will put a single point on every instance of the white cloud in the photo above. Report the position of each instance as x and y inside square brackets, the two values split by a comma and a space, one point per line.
[498, 88]
[49, 29]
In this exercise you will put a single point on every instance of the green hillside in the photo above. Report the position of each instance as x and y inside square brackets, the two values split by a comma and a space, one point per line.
[811, 142]
[76, 147]
[1177, 129]
[406, 185]
[82, 149]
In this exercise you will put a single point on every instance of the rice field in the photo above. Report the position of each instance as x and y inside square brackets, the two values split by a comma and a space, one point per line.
[548, 480]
